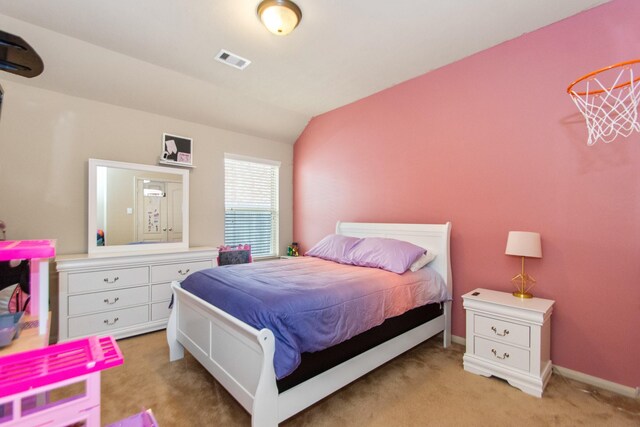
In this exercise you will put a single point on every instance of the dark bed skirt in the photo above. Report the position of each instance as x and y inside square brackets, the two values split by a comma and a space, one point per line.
[316, 363]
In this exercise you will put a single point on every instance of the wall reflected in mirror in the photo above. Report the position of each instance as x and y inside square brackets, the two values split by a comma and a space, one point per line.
[132, 206]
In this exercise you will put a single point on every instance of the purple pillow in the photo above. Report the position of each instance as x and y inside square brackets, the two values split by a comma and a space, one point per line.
[334, 247]
[388, 254]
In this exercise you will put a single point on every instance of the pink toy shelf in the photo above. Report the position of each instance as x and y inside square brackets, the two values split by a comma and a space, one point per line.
[26, 249]
[57, 385]
[39, 252]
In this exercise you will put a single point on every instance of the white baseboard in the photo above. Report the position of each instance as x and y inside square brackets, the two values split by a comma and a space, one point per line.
[458, 340]
[579, 376]
[597, 382]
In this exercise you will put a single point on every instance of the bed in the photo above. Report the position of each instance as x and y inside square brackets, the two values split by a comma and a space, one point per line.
[241, 357]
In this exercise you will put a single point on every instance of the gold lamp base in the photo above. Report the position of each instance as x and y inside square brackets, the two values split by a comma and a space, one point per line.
[522, 294]
[523, 283]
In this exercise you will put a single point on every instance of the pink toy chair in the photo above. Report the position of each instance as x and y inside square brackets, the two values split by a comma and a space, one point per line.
[30, 379]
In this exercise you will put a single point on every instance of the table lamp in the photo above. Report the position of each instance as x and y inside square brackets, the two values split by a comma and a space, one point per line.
[523, 244]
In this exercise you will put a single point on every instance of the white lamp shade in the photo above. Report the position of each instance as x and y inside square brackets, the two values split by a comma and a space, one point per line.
[524, 243]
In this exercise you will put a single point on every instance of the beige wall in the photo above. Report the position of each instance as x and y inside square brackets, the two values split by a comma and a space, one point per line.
[47, 137]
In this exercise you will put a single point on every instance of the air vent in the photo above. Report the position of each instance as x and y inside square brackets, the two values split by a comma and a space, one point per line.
[232, 59]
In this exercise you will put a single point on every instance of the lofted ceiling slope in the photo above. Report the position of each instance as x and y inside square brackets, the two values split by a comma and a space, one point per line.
[158, 55]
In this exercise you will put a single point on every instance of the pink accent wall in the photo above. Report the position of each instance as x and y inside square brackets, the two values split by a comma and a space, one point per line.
[493, 143]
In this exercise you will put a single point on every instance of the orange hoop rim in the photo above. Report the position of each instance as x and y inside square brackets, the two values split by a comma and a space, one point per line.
[586, 76]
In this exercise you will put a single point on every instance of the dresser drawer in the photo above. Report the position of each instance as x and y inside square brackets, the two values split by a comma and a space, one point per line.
[502, 353]
[108, 300]
[499, 330]
[109, 320]
[169, 272]
[161, 292]
[160, 310]
[107, 279]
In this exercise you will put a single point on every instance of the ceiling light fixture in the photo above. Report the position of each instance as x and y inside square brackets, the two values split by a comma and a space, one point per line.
[279, 16]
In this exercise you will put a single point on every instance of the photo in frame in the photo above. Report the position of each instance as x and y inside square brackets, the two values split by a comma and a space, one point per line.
[176, 149]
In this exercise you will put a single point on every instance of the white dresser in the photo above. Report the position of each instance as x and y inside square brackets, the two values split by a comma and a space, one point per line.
[510, 338]
[122, 294]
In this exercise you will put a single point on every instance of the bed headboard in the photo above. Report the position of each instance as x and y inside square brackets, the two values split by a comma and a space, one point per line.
[433, 237]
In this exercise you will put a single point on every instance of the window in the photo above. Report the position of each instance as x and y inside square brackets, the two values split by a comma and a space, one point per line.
[251, 204]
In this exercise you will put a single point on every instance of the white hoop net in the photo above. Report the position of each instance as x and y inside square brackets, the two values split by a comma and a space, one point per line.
[609, 110]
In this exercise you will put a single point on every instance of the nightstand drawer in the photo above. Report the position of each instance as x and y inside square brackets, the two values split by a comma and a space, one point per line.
[501, 353]
[502, 331]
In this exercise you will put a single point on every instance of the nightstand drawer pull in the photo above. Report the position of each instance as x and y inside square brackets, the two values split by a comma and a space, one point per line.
[495, 353]
[115, 279]
[111, 323]
[183, 274]
[503, 334]
[115, 300]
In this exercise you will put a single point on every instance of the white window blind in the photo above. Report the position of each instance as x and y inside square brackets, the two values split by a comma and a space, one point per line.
[251, 204]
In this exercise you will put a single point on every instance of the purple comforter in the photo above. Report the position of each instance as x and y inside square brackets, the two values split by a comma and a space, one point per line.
[311, 304]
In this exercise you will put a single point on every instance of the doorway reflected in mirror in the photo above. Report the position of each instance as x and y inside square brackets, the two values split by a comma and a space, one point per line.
[136, 205]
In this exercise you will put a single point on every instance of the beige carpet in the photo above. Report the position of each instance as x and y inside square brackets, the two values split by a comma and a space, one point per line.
[425, 386]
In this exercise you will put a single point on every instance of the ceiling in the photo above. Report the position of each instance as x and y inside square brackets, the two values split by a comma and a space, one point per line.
[158, 55]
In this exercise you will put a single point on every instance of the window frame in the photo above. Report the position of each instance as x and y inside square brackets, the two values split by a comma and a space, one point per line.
[275, 211]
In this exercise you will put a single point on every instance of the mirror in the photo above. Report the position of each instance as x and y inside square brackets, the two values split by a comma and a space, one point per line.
[136, 207]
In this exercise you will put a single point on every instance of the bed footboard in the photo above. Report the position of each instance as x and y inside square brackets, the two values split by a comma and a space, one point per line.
[238, 356]
[241, 357]
[176, 350]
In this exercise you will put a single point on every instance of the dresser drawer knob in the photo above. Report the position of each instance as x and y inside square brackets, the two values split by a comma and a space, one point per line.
[115, 300]
[495, 353]
[106, 322]
[185, 273]
[115, 279]
[503, 334]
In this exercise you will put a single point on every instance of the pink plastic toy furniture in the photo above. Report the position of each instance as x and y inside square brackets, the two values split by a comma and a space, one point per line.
[35, 385]
[39, 252]
[143, 419]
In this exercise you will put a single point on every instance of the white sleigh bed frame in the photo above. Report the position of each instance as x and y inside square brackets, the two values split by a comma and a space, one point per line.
[240, 357]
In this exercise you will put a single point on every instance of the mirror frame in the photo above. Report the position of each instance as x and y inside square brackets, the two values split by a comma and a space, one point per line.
[93, 248]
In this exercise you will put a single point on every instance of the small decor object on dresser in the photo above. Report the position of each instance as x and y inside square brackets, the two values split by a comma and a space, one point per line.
[176, 150]
[240, 254]
[509, 338]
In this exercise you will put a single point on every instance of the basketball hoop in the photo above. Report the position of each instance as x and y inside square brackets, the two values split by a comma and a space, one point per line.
[608, 99]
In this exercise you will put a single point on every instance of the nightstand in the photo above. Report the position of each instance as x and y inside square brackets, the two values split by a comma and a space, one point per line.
[509, 337]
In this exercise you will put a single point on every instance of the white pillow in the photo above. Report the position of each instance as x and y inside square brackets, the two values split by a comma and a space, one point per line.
[425, 259]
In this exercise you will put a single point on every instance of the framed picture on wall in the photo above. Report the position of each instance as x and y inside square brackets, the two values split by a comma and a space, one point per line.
[176, 149]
